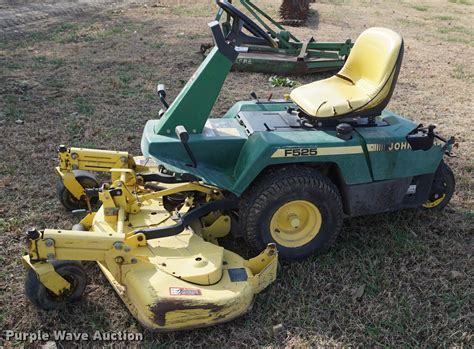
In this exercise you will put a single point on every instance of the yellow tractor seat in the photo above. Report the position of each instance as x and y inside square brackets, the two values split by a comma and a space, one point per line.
[365, 83]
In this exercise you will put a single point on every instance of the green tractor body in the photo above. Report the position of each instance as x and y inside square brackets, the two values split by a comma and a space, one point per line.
[376, 170]
[377, 163]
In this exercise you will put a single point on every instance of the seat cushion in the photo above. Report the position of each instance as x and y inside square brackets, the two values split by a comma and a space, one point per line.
[364, 83]
[330, 97]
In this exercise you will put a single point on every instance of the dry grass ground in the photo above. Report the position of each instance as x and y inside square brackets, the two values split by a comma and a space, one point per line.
[394, 280]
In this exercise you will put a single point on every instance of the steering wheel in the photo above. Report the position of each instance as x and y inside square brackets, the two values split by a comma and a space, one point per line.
[241, 19]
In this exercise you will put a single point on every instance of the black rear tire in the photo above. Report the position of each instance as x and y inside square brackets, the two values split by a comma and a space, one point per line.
[44, 299]
[87, 180]
[270, 200]
[442, 189]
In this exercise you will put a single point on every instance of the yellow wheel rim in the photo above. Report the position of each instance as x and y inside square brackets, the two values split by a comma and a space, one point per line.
[434, 203]
[295, 223]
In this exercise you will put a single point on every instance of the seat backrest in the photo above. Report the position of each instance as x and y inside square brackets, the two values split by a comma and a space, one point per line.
[364, 84]
[373, 58]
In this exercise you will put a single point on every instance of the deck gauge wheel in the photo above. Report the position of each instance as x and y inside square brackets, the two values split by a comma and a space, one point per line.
[87, 180]
[43, 298]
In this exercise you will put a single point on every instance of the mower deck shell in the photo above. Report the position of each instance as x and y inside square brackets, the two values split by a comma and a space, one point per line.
[164, 302]
[171, 283]
[180, 282]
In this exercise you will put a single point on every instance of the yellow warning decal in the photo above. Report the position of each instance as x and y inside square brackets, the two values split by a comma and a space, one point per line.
[314, 151]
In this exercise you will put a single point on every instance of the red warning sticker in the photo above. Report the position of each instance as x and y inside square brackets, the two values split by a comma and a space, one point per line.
[182, 291]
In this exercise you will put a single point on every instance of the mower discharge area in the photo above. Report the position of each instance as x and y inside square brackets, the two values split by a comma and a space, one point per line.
[282, 174]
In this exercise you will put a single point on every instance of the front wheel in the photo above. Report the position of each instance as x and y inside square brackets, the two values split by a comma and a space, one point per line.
[442, 188]
[295, 207]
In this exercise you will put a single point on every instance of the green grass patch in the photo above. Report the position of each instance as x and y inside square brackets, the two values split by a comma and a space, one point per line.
[75, 130]
[125, 78]
[412, 23]
[11, 65]
[192, 10]
[460, 72]
[74, 32]
[40, 36]
[57, 62]
[455, 29]
[457, 34]
[404, 242]
[461, 2]
[11, 109]
[66, 27]
[444, 18]
[372, 277]
[56, 83]
[3, 225]
[84, 106]
[121, 27]
[421, 8]
[54, 34]
[454, 301]
[157, 45]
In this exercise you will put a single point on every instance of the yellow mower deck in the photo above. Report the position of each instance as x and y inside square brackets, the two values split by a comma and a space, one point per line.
[174, 282]
[165, 302]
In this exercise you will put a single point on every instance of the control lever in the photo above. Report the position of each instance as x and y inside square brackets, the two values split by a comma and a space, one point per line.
[431, 131]
[254, 96]
[183, 136]
[160, 90]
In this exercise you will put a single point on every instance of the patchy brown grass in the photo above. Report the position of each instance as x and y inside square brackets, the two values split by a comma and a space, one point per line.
[398, 279]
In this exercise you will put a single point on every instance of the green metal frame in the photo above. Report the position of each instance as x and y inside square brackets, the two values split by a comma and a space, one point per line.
[195, 101]
[292, 56]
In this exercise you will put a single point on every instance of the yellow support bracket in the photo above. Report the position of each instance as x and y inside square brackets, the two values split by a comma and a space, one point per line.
[88, 220]
[71, 183]
[93, 159]
[75, 245]
[135, 240]
[218, 228]
[264, 267]
[47, 275]
[185, 187]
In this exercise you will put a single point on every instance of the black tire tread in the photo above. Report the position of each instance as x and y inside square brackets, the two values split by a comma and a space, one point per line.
[445, 171]
[37, 293]
[271, 184]
[63, 193]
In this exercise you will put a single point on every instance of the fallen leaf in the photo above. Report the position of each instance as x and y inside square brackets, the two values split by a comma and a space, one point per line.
[358, 292]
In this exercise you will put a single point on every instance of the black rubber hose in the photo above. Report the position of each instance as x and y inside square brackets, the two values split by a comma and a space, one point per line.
[161, 232]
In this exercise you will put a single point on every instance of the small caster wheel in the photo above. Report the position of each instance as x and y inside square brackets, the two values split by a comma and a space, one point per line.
[44, 299]
[87, 180]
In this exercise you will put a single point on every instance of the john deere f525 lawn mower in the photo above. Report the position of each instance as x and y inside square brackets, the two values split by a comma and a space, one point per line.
[280, 173]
